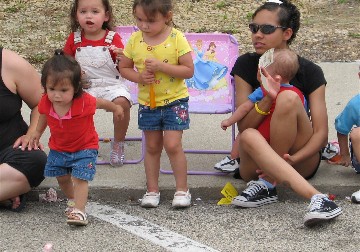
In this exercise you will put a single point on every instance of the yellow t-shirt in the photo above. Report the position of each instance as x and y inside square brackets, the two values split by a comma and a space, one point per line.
[167, 88]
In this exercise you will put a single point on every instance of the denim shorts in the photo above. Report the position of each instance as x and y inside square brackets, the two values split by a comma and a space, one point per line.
[80, 164]
[354, 162]
[174, 116]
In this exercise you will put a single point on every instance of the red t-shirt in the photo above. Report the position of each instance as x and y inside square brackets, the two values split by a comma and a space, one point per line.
[75, 131]
[70, 47]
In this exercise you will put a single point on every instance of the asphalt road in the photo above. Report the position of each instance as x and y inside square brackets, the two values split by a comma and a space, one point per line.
[203, 227]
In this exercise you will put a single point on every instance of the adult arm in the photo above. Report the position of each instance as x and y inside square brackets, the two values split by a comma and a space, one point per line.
[319, 119]
[22, 78]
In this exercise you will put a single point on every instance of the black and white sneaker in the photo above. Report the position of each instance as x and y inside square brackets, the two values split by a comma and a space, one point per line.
[255, 195]
[227, 164]
[321, 209]
[330, 150]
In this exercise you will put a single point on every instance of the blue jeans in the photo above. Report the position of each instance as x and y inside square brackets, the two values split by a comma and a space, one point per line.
[80, 164]
[174, 116]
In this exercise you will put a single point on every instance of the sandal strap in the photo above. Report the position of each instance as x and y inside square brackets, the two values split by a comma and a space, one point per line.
[181, 193]
[77, 213]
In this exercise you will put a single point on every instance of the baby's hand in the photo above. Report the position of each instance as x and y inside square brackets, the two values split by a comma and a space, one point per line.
[225, 124]
[273, 84]
[118, 112]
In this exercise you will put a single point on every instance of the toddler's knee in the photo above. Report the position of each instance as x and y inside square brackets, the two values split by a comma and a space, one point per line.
[123, 102]
[172, 148]
[153, 150]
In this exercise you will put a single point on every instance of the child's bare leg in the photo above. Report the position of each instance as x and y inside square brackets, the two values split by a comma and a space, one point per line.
[154, 146]
[355, 141]
[175, 152]
[290, 119]
[272, 164]
[121, 126]
[66, 185]
[234, 153]
[81, 191]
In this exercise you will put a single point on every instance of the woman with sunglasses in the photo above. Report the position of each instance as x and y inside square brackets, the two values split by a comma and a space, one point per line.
[292, 153]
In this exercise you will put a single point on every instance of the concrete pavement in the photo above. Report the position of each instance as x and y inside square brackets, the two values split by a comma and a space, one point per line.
[128, 182]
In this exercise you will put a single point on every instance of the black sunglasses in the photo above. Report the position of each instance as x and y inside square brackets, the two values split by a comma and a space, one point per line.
[265, 29]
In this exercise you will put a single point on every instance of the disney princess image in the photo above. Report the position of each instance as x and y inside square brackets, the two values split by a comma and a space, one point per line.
[208, 73]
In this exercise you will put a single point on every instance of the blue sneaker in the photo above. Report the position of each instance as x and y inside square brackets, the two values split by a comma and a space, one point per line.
[255, 195]
[321, 209]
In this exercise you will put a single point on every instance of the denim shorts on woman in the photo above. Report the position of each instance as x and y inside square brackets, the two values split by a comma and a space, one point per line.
[174, 116]
[80, 164]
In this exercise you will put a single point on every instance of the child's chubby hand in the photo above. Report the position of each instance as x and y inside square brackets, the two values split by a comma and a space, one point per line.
[146, 77]
[118, 112]
[34, 142]
[118, 51]
[225, 124]
[153, 65]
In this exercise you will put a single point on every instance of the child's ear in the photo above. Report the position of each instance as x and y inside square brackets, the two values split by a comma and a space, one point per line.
[169, 16]
[107, 16]
[278, 78]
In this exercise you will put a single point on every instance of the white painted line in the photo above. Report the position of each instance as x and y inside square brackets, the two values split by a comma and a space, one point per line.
[145, 229]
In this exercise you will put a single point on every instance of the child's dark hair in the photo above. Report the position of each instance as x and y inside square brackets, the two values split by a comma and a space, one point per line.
[74, 24]
[151, 7]
[60, 67]
[288, 13]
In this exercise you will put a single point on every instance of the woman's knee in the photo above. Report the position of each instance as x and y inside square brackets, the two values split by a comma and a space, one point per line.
[287, 101]
[247, 137]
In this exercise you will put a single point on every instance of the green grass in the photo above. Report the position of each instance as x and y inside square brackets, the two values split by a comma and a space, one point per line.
[38, 58]
[354, 35]
[15, 8]
[222, 4]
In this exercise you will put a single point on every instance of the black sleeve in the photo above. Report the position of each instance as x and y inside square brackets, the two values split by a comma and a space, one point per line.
[246, 67]
[309, 77]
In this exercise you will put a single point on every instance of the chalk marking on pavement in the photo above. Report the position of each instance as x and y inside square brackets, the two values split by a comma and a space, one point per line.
[145, 229]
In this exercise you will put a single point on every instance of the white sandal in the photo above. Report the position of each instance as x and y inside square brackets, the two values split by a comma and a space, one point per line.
[70, 207]
[77, 218]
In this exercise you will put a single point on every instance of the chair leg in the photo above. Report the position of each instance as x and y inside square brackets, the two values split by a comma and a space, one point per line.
[131, 161]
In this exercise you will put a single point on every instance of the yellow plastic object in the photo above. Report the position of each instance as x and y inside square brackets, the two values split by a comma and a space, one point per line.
[152, 96]
[229, 192]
